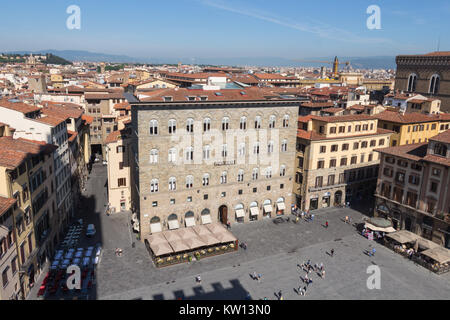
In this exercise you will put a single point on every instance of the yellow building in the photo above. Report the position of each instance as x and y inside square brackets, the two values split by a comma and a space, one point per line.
[26, 176]
[409, 127]
[335, 159]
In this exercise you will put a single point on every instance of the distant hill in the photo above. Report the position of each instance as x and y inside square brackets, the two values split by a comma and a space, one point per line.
[375, 62]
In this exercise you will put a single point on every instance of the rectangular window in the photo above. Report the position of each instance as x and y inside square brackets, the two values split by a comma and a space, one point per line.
[320, 164]
[353, 160]
[319, 182]
[332, 163]
[121, 182]
[323, 149]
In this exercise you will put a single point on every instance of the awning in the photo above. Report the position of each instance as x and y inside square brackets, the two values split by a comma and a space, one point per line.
[439, 254]
[155, 227]
[206, 219]
[171, 235]
[161, 249]
[201, 230]
[254, 211]
[216, 228]
[403, 236]
[179, 245]
[173, 224]
[209, 239]
[156, 239]
[281, 206]
[380, 229]
[268, 208]
[190, 221]
[225, 237]
[186, 233]
[194, 242]
[240, 213]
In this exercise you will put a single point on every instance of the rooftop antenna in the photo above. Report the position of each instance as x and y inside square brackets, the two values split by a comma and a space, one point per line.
[439, 43]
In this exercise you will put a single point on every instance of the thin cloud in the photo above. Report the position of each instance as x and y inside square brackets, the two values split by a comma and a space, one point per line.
[321, 29]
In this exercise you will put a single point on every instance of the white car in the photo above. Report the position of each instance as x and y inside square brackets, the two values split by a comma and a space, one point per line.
[90, 232]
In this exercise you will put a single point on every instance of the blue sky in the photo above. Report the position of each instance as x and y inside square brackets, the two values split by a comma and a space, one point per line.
[227, 28]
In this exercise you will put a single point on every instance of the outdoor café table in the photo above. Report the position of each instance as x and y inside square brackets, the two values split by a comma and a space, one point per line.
[79, 254]
[55, 264]
[90, 248]
[76, 261]
[88, 253]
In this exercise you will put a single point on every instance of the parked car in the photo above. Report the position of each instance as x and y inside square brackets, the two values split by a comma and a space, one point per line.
[90, 232]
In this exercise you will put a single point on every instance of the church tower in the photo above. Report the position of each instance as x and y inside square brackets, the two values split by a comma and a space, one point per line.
[335, 67]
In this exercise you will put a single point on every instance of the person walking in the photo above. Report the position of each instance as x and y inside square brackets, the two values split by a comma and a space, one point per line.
[312, 217]
[346, 219]
[259, 277]
[332, 252]
[323, 274]
[326, 224]
[373, 251]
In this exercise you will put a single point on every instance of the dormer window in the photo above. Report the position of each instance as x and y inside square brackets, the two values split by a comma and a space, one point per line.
[191, 98]
[203, 98]
[168, 99]
[440, 149]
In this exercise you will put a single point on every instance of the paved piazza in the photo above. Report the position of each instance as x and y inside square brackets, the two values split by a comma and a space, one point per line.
[274, 250]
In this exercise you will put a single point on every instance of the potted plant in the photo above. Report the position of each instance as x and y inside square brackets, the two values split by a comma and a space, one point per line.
[197, 255]
[190, 258]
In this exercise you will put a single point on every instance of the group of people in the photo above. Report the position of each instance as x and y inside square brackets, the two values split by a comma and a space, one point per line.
[119, 252]
[256, 276]
[309, 268]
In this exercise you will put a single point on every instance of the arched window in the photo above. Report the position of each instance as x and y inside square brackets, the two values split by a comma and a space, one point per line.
[172, 155]
[172, 126]
[223, 177]
[240, 176]
[282, 170]
[284, 145]
[270, 147]
[257, 122]
[272, 120]
[190, 125]
[434, 84]
[286, 121]
[189, 154]
[172, 184]
[155, 219]
[256, 148]
[153, 127]
[189, 182]
[255, 174]
[206, 152]
[269, 172]
[243, 123]
[154, 156]
[205, 180]
[225, 123]
[154, 185]
[206, 124]
[224, 150]
[241, 150]
[412, 81]
[173, 216]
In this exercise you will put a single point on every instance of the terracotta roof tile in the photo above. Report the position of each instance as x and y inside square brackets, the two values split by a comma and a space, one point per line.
[5, 204]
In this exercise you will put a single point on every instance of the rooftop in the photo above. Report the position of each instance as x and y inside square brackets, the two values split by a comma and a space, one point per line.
[15, 151]
[5, 204]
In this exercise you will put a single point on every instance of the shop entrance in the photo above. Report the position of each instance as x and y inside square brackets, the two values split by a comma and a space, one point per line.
[223, 214]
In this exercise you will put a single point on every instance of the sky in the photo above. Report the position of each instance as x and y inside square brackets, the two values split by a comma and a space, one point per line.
[228, 28]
